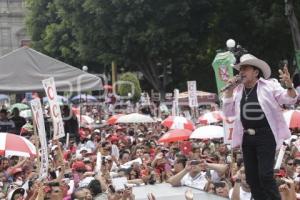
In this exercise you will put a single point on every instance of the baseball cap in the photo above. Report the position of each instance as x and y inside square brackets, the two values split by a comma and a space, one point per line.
[78, 165]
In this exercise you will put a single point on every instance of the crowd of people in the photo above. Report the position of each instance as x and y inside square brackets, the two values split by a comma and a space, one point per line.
[96, 156]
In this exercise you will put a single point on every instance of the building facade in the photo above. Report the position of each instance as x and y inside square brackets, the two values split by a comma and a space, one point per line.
[13, 32]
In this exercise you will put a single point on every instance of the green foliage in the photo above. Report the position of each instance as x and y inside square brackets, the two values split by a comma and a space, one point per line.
[260, 26]
[50, 32]
[129, 83]
[149, 35]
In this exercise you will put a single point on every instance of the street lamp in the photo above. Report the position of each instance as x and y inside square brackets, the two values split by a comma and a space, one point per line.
[85, 68]
[237, 50]
[230, 43]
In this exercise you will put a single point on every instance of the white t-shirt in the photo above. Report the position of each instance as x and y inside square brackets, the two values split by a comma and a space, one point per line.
[215, 176]
[199, 181]
[243, 194]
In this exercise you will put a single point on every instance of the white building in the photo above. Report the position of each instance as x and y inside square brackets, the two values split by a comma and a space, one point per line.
[12, 25]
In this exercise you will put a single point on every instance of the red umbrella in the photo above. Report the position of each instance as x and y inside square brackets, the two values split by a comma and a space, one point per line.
[211, 117]
[15, 145]
[292, 118]
[178, 122]
[113, 119]
[85, 120]
[175, 135]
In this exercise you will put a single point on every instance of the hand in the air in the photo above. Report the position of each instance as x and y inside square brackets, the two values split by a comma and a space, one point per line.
[189, 195]
[285, 77]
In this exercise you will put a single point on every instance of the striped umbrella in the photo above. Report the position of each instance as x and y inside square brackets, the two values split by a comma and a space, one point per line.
[211, 117]
[178, 122]
[292, 118]
[113, 119]
[175, 135]
[15, 145]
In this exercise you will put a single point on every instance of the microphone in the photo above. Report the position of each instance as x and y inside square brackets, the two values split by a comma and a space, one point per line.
[238, 80]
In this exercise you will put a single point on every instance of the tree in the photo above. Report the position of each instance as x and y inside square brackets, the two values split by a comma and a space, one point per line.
[293, 22]
[169, 41]
[154, 37]
[129, 86]
[50, 33]
[259, 26]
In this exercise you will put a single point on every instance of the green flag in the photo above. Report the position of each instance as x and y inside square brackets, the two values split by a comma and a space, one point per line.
[222, 65]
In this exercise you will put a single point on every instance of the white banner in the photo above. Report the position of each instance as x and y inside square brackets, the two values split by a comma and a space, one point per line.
[175, 106]
[40, 125]
[192, 92]
[228, 129]
[58, 127]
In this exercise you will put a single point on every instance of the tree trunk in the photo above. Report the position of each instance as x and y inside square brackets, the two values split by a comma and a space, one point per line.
[293, 21]
[154, 77]
[162, 93]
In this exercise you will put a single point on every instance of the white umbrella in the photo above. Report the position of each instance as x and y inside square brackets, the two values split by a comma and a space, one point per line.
[26, 114]
[135, 118]
[211, 117]
[208, 132]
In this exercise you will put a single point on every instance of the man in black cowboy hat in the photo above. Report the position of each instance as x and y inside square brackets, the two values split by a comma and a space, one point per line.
[259, 127]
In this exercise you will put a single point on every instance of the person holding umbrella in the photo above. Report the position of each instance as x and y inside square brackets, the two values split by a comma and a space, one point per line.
[6, 125]
[17, 119]
[259, 127]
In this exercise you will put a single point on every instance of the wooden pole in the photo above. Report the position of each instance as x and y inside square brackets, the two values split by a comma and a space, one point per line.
[113, 74]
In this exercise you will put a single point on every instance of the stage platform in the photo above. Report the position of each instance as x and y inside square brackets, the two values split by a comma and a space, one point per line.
[165, 191]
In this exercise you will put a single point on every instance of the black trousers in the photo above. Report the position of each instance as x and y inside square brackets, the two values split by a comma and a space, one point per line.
[259, 155]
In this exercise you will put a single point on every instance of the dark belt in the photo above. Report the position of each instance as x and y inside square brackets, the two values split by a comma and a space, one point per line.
[254, 131]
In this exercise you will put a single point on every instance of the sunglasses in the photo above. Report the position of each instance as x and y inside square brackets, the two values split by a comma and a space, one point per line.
[219, 184]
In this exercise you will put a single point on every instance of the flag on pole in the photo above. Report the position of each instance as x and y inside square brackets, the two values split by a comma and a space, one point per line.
[222, 65]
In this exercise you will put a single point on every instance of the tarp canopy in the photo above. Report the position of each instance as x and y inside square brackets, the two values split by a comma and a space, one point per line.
[24, 69]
